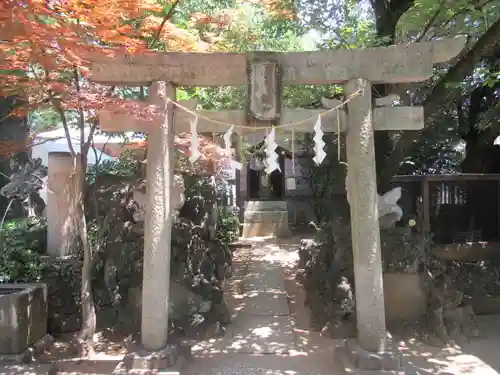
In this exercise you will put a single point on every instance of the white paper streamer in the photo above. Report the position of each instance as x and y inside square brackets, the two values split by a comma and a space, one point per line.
[338, 135]
[227, 141]
[229, 152]
[320, 154]
[293, 151]
[195, 153]
[271, 155]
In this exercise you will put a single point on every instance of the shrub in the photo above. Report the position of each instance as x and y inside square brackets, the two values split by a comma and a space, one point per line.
[228, 225]
[23, 242]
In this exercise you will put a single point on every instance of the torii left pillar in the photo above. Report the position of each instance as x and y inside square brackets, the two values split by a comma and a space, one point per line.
[158, 222]
[156, 352]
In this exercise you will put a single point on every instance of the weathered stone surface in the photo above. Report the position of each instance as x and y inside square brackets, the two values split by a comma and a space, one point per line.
[172, 358]
[23, 316]
[364, 360]
[354, 360]
[177, 199]
[268, 229]
[261, 304]
[404, 297]
[450, 315]
[59, 223]
[394, 64]
[486, 304]
[158, 225]
[385, 118]
[362, 195]
[31, 353]
[252, 217]
[264, 92]
[265, 218]
[265, 206]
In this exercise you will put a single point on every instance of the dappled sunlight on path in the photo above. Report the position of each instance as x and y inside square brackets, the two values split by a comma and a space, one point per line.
[262, 338]
[270, 333]
[479, 356]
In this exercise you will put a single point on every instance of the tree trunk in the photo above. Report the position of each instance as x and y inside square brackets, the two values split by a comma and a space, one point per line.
[473, 138]
[89, 320]
[441, 95]
[387, 15]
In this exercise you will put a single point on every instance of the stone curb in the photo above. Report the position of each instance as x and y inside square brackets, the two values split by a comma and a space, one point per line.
[171, 360]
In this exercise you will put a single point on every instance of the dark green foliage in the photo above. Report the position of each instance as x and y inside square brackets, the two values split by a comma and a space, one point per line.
[228, 225]
[23, 259]
[126, 166]
[24, 241]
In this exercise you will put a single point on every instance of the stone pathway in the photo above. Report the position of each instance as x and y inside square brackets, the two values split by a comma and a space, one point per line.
[270, 333]
[262, 338]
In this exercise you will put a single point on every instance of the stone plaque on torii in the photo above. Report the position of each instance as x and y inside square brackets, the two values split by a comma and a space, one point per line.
[265, 73]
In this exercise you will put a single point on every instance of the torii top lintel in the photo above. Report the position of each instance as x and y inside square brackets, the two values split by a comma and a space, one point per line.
[393, 64]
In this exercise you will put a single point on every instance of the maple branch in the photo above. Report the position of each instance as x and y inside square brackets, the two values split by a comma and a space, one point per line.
[81, 116]
[167, 16]
[163, 22]
[66, 129]
[92, 130]
[45, 141]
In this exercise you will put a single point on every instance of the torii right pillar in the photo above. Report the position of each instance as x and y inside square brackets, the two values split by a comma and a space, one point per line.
[372, 352]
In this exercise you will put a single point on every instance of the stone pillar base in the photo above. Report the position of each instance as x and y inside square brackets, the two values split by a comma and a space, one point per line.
[170, 360]
[353, 360]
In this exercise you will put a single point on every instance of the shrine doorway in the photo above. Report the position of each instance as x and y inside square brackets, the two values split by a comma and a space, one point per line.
[260, 185]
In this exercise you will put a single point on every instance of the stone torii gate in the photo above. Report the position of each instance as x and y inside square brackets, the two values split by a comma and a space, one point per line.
[265, 73]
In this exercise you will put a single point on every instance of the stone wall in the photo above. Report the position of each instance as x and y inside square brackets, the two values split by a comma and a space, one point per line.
[420, 290]
[405, 300]
[63, 279]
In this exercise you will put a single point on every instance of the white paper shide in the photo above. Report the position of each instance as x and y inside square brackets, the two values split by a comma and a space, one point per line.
[319, 144]
[272, 157]
[195, 152]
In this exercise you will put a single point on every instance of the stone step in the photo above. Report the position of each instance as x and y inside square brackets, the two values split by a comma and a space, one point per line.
[265, 229]
[240, 363]
[265, 206]
[265, 216]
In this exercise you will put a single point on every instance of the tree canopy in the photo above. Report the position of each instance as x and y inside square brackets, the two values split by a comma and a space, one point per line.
[47, 44]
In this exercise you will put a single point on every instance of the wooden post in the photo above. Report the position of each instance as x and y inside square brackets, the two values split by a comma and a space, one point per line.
[365, 232]
[158, 223]
[426, 205]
